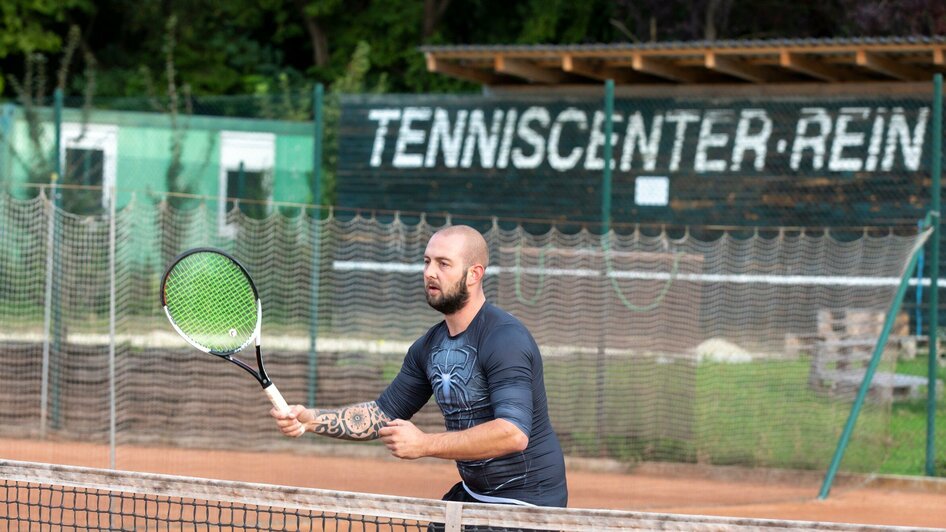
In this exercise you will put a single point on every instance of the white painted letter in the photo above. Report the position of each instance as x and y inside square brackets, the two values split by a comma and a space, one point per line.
[648, 147]
[596, 141]
[556, 161]
[757, 142]
[682, 118]
[407, 136]
[478, 136]
[816, 143]
[876, 136]
[845, 139]
[502, 161]
[912, 148]
[532, 138]
[708, 139]
[384, 117]
[440, 134]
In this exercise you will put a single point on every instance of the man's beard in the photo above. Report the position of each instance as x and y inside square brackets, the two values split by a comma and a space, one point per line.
[449, 304]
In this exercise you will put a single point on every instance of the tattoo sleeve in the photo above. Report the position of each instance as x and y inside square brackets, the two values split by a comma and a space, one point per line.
[354, 422]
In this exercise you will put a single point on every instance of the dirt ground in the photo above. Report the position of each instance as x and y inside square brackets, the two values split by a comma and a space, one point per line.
[650, 488]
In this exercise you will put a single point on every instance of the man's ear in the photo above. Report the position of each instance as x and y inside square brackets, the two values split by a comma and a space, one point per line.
[476, 273]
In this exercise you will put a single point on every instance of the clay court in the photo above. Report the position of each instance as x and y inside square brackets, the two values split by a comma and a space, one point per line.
[911, 502]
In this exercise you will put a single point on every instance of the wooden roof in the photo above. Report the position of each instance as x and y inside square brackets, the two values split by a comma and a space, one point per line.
[834, 61]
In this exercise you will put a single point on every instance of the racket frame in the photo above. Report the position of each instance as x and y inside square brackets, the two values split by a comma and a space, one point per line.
[274, 396]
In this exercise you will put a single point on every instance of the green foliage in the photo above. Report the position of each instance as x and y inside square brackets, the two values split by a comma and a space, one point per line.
[562, 21]
[33, 92]
[29, 26]
[284, 101]
[236, 47]
[353, 81]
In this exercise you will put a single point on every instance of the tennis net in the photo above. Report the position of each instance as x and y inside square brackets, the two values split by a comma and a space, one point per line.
[58, 497]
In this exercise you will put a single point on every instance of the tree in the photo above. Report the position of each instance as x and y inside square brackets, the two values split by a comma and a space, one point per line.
[34, 26]
[235, 47]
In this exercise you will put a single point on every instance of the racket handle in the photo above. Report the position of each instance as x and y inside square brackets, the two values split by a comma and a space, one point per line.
[277, 399]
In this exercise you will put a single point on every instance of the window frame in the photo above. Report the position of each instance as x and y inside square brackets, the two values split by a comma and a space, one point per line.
[257, 152]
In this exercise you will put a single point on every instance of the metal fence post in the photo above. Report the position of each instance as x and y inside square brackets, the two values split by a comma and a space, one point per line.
[6, 146]
[55, 301]
[935, 169]
[318, 125]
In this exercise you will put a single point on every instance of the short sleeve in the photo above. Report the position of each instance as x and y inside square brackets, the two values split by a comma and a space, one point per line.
[508, 356]
[409, 391]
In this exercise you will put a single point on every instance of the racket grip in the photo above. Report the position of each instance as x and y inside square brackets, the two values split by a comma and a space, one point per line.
[277, 399]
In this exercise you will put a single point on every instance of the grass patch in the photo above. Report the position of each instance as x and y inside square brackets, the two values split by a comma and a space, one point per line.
[760, 414]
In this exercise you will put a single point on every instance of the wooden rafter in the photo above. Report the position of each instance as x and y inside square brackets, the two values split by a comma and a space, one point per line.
[527, 70]
[456, 71]
[735, 67]
[597, 70]
[939, 56]
[663, 69]
[889, 67]
[808, 66]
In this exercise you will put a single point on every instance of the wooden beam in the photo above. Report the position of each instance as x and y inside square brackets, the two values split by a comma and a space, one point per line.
[597, 70]
[527, 70]
[663, 69]
[939, 56]
[808, 66]
[735, 68]
[456, 71]
[889, 67]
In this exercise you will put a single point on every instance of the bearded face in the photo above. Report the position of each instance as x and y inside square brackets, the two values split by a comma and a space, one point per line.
[449, 299]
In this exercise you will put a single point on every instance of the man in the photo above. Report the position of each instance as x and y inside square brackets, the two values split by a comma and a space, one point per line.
[484, 370]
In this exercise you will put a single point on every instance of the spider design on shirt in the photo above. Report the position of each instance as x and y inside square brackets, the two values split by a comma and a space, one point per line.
[458, 385]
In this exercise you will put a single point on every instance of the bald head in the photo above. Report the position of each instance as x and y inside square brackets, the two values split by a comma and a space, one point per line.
[473, 246]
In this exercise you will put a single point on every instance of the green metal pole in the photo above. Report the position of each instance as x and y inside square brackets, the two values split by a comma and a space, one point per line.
[57, 157]
[601, 361]
[6, 144]
[241, 179]
[868, 377]
[318, 125]
[935, 171]
[608, 154]
[56, 301]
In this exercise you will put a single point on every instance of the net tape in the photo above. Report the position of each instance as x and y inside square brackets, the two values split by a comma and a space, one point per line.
[71, 496]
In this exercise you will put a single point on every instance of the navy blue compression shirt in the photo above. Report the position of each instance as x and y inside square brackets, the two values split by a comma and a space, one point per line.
[492, 370]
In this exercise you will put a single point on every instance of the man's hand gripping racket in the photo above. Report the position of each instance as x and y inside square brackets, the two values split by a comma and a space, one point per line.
[212, 303]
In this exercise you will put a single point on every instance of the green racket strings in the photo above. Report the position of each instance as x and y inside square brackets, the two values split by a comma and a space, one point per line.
[211, 301]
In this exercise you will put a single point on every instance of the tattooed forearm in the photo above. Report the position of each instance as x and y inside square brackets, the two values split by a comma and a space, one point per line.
[355, 422]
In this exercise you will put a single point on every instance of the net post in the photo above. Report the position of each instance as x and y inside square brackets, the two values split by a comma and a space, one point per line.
[935, 171]
[318, 117]
[453, 517]
[869, 375]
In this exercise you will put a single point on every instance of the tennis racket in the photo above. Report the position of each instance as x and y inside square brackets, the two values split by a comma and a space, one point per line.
[212, 302]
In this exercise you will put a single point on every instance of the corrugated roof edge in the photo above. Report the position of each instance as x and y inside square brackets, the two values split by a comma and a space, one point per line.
[684, 45]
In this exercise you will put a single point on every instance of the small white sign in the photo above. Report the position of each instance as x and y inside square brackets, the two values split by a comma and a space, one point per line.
[652, 191]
